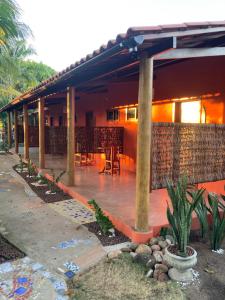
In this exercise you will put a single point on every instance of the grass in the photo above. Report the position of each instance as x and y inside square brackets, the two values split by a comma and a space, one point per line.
[122, 279]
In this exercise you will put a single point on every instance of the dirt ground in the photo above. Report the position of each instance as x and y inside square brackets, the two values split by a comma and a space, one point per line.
[211, 268]
[121, 279]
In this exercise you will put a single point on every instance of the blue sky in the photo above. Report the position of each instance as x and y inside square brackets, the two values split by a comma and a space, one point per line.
[64, 31]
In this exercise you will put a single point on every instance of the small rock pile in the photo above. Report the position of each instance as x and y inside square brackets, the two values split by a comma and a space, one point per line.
[149, 255]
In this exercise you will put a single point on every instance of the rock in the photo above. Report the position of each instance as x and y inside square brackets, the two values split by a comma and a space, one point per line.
[163, 244]
[133, 254]
[153, 241]
[133, 246]
[163, 277]
[150, 273]
[142, 258]
[170, 237]
[164, 262]
[168, 242]
[156, 274]
[158, 256]
[114, 254]
[151, 262]
[142, 248]
[162, 268]
[161, 238]
[125, 249]
[155, 248]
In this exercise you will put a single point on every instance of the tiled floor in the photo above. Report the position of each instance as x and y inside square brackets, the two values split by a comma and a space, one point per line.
[116, 194]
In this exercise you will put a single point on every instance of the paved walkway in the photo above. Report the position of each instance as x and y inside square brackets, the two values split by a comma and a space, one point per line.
[50, 236]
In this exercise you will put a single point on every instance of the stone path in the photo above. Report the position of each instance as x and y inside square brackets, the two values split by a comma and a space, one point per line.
[50, 235]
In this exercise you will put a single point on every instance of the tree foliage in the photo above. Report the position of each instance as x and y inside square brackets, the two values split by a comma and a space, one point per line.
[17, 73]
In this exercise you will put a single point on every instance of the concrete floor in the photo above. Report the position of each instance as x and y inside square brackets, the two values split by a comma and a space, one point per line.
[116, 194]
[37, 229]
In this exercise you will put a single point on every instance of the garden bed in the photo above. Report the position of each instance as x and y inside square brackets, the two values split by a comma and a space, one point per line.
[41, 190]
[106, 240]
[8, 251]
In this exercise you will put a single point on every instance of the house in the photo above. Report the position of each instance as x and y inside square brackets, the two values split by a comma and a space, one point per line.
[158, 94]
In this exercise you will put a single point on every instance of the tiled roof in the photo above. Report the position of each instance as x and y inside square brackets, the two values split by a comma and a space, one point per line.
[133, 31]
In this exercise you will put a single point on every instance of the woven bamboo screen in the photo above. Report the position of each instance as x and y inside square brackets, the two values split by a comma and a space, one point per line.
[195, 150]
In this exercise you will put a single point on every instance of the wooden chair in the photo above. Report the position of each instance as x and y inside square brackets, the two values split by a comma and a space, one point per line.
[112, 161]
[83, 159]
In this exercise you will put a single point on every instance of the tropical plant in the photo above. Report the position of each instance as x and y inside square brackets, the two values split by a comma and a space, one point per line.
[217, 211]
[202, 214]
[180, 218]
[11, 26]
[103, 221]
[52, 184]
[4, 146]
[21, 164]
[31, 168]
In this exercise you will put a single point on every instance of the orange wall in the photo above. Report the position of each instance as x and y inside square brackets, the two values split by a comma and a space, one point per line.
[193, 77]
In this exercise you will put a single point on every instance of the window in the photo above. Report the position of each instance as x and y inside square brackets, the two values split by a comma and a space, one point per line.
[112, 115]
[132, 113]
[191, 112]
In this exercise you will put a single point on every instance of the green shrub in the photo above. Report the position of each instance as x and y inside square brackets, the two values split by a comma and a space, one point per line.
[31, 168]
[21, 164]
[180, 218]
[52, 185]
[102, 220]
[217, 211]
[201, 212]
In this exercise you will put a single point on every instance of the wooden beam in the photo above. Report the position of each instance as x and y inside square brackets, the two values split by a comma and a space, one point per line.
[26, 132]
[177, 112]
[144, 143]
[41, 124]
[16, 138]
[70, 134]
[191, 53]
[9, 129]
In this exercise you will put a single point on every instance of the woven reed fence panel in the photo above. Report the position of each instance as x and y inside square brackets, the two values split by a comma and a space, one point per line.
[194, 150]
[87, 139]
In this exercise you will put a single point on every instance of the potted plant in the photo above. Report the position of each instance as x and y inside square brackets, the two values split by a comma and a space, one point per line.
[179, 255]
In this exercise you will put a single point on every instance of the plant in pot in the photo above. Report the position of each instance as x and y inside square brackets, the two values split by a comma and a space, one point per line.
[179, 255]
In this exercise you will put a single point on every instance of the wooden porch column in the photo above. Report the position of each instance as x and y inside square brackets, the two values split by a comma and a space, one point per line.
[26, 132]
[144, 142]
[16, 139]
[41, 124]
[70, 134]
[177, 113]
[9, 129]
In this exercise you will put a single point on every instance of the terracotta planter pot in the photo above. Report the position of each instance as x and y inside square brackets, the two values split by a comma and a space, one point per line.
[181, 266]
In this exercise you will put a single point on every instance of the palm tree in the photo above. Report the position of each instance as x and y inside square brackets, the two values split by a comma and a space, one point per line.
[10, 25]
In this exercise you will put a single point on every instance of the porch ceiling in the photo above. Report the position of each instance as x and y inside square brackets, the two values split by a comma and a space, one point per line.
[120, 57]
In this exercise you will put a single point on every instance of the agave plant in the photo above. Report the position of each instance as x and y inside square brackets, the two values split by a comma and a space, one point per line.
[217, 211]
[202, 212]
[180, 218]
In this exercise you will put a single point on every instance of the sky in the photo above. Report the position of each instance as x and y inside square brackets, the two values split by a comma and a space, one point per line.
[65, 31]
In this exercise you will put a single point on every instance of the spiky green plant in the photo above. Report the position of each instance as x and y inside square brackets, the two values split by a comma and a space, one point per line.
[102, 220]
[201, 212]
[180, 218]
[217, 211]
[52, 185]
[31, 168]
